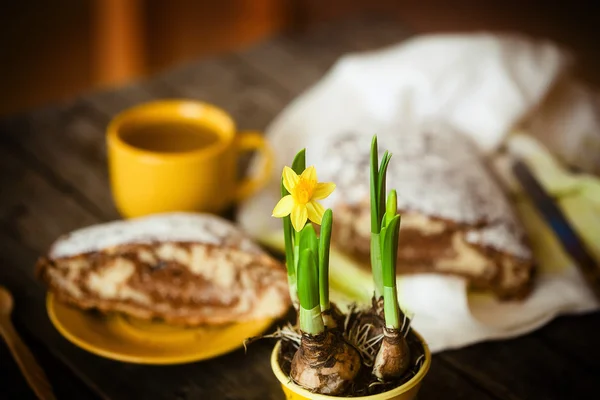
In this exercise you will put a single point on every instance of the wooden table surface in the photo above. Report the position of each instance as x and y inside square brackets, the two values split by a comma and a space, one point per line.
[54, 179]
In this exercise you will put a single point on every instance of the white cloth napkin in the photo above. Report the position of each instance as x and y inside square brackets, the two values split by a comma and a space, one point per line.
[484, 86]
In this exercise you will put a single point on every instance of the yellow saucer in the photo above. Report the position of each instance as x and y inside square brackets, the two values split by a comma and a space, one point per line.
[123, 338]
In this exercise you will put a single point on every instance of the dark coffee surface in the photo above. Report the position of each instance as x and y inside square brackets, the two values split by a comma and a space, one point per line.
[169, 137]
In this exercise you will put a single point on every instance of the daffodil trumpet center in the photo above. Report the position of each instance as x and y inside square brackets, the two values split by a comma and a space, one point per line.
[303, 191]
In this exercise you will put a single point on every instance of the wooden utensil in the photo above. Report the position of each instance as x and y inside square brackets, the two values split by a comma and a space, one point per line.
[29, 367]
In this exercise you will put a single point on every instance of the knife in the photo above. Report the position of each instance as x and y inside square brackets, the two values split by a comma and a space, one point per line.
[568, 237]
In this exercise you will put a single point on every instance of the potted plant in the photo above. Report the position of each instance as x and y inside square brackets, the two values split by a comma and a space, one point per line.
[365, 352]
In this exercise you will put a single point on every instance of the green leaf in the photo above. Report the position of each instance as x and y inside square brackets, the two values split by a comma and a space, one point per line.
[308, 285]
[374, 187]
[299, 163]
[384, 222]
[389, 254]
[390, 307]
[391, 206]
[309, 240]
[288, 238]
[289, 245]
[376, 268]
[381, 183]
[389, 258]
[382, 238]
[324, 245]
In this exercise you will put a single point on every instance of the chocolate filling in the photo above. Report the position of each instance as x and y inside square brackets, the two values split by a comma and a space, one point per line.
[420, 252]
[172, 289]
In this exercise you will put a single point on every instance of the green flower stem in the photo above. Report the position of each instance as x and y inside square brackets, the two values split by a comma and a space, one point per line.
[391, 207]
[288, 236]
[290, 262]
[296, 250]
[293, 289]
[308, 293]
[324, 246]
[390, 307]
[389, 254]
[308, 240]
[376, 267]
[298, 166]
[390, 297]
[291, 241]
[289, 245]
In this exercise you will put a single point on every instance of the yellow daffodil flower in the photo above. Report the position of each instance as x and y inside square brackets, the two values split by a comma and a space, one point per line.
[300, 204]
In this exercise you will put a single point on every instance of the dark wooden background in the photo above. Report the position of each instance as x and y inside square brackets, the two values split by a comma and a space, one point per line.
[56, 49]
[53, 179]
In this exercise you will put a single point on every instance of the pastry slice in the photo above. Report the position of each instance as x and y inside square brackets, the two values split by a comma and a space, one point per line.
[456, 219]
[183, 268]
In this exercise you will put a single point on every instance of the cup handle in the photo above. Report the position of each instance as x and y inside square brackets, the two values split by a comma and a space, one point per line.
[249, 141]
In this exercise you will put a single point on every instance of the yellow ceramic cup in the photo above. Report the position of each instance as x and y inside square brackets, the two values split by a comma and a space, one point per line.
[161, 174]
[407, 391]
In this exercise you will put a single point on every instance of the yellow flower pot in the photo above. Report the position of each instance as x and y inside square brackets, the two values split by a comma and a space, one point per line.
[407, 391]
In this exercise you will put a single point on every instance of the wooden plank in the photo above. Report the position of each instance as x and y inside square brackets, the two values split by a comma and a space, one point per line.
[66, 146]
[297, 61]
[576, 338]
[33, 214]
[107, 103]
[251, 98]
[66, 143]
[29, 313]
[522, 368]
[65, 384]
[18, 388]
[32, 211]
[444, 382]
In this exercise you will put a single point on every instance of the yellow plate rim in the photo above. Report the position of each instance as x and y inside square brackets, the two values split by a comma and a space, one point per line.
[113, 355]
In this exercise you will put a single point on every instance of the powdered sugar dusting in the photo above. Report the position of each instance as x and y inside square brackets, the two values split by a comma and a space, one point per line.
[184, 227]
[439, 174]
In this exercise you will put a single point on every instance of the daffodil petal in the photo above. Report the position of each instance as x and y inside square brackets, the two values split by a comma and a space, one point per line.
[315, 211]
[323, 190]
[309, 174]
[299, 216]
[284, 207]
[290, 179]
